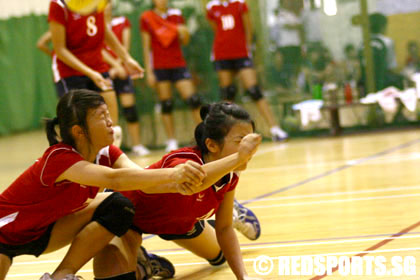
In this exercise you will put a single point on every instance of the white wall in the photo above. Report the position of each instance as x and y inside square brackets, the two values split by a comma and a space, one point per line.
[18, 8]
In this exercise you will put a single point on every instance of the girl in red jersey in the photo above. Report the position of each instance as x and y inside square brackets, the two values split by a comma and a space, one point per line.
[55, 202]
[78, 41]
[225, 144]
[231, 54]
[121, 80]
[163, 31]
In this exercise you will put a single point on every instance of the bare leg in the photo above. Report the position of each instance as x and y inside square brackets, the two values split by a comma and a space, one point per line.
[5, 264]
[187, 89]
[111, 101]
[129, 100]
[205, 245]
[118, 257]
[248, 78]
[165, 93]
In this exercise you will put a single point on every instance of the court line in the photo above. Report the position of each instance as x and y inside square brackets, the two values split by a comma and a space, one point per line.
[336, 200]
[373, 248]
[390, 189]
[334, 170]
[251, 260]
[265, 245]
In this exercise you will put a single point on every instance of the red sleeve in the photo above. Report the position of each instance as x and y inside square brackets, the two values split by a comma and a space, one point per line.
[143, 23]
[174, 159]
[114, 153]
[180, 20]
[234, 183]
[210, 15]
[244, 7]
[57, 13]
[127, 23]
[56, 162]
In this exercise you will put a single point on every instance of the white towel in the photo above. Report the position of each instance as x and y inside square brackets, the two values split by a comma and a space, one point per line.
[310, 111]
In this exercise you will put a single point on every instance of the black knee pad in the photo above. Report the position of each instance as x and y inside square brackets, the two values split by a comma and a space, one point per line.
[130, 114]
[219, 260]
[115, 213]
[167, 106]
[125, 276]
[194, 101]
[255, 93]
[228, 93]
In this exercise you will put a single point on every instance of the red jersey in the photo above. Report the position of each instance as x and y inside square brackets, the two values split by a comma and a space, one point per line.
[34, 200]
[173, 213]
[163, 57]
[118, 25]
[85, 36]
[229, 40]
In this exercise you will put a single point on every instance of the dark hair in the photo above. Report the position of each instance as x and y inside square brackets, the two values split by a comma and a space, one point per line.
[377, 22]
[72, 109]
[218, 119]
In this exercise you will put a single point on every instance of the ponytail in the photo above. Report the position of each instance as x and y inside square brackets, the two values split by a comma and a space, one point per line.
[51, 132]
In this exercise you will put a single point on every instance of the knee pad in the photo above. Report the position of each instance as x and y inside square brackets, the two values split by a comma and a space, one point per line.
[219, 260]
[167, 106]
[194, 101]
[255, 93]
[228, 93]
[125, 276]
[115, 213]
[130, 114]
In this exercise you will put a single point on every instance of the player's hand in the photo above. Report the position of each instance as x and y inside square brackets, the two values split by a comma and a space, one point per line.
[186, 188]
[189, 172]
[151, 79]
[133, 68]
[248, 146]
[100, 82]
[118, 72]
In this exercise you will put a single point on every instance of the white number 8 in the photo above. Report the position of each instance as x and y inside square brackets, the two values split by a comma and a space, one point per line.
[92, 29]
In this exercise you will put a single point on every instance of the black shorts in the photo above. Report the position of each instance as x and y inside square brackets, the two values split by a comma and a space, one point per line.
[172, 74]
[194, 232]
[77, 82]
[35, 247]
[123, 86]
[233, 64]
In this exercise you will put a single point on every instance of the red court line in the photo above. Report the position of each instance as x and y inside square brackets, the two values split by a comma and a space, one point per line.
[374, 247]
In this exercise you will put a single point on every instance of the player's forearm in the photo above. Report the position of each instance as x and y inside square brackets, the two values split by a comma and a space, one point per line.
[72, 61]
[112, 61]
[112, 41]
[215, 170]
[230, 246]
[147, 180]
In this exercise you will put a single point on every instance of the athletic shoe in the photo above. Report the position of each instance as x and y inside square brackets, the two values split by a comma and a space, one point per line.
[245, 221]
[278, 134]
[48, 276]
[171, 145]
[140, 150]
[153, 265]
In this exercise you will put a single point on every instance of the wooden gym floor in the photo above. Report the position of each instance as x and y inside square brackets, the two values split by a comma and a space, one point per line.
[347, 196]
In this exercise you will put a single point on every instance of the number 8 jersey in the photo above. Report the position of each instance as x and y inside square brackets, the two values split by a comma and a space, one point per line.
[230, 39]
[85, 36]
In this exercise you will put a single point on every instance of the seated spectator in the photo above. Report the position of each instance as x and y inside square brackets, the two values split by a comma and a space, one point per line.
[278, 77]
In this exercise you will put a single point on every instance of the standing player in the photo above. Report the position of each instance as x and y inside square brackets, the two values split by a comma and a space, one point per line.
[163, 31]
[122, 82]
[225, 144]
[55, 202]
[231, 54]
[78, 41]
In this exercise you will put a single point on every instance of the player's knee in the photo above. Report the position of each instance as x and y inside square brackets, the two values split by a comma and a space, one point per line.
[115, 213]
[228, 93]
[167, 106]
[130, 114]
[194, 101]
[219, 260]
[255, 93]
[125, 276]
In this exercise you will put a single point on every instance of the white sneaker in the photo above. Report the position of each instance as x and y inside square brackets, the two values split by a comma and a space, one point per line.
[117, 135]
[140, 150]
[245, 221]
[46, 276]
[171, 145]
[278, 134]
